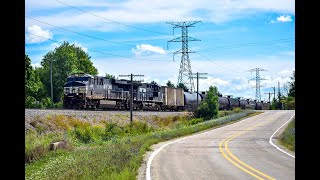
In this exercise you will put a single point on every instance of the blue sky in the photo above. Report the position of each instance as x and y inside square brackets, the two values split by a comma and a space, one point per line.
[236, 36]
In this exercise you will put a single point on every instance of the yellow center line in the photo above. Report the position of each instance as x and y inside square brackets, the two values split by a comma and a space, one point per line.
[245, 170]
[228, 152]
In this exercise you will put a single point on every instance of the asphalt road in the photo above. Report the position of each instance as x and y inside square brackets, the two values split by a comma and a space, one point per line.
[237, 151]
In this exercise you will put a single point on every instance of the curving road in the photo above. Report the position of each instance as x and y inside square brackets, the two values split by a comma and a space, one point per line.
[237, 151]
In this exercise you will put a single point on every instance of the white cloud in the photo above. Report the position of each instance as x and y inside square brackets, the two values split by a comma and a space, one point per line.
[284, 18]
[286, 72]
[81, 46]
[143, 49]
[215, 82]
[54, 45]
[37, 34]
[36, 65]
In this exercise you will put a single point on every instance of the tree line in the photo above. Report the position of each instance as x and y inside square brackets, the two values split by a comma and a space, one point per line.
[286, 102]
[65, 59]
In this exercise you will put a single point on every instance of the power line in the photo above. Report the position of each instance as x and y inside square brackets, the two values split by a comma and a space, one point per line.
[98, 51]
[218, 64]
[111, 20]
[80, 33]
[250, 44]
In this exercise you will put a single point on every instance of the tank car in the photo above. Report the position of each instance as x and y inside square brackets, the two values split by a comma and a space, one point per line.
[258, 105]
[244, 103]
[224, 103]
[265, 105]
[234, 103]
[190, 100]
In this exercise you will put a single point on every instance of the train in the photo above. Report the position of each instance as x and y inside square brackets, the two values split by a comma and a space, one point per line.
[84, 91]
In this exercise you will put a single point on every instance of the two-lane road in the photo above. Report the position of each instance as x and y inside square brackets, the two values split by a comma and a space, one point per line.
[237, 151]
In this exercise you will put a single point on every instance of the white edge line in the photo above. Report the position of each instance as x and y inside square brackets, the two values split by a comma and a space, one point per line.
[148, 170]
[270, 140]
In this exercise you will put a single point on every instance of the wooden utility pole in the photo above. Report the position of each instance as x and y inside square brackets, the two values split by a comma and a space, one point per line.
[196, 75]
[269, 95]
[131, 91]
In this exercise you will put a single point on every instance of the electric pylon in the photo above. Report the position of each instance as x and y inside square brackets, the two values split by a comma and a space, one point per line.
[258, 79]
[185, 72]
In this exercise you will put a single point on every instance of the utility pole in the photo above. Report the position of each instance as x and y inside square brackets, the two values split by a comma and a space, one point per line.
[274, 92]
[257, 79]
[185, 72]
[196, 75]
[51, 82]
[131, 91]
[279, 93]
[269, 95]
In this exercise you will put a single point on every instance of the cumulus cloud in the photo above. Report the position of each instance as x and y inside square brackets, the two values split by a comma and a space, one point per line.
[37, 34]
[283, 19]
[54, 45]
[81, 46]
[286, 72]
[217, 81]
[144, 49]
[36, 65]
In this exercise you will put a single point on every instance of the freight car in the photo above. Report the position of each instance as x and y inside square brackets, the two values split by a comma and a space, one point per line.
[190, 100]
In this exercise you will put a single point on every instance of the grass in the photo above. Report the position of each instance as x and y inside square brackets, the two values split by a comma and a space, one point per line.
[287, 138]
[108, 151]
[227, 112]
[37, 145]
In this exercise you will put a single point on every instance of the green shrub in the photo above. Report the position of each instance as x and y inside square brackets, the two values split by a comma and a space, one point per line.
[46, 102]
[195, 121]
[208, 108]
[58, 105]
[112, 129]
[237, 110]
[289, 103]
[83, 134]
[137, 128]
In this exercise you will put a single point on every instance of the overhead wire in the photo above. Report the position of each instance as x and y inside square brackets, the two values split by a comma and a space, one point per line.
[80, 33]
[249, 44]
[142, 29]
[98, 51]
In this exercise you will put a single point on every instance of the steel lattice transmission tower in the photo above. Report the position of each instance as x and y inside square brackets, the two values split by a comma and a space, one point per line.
[185, 72]
[257, 79]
